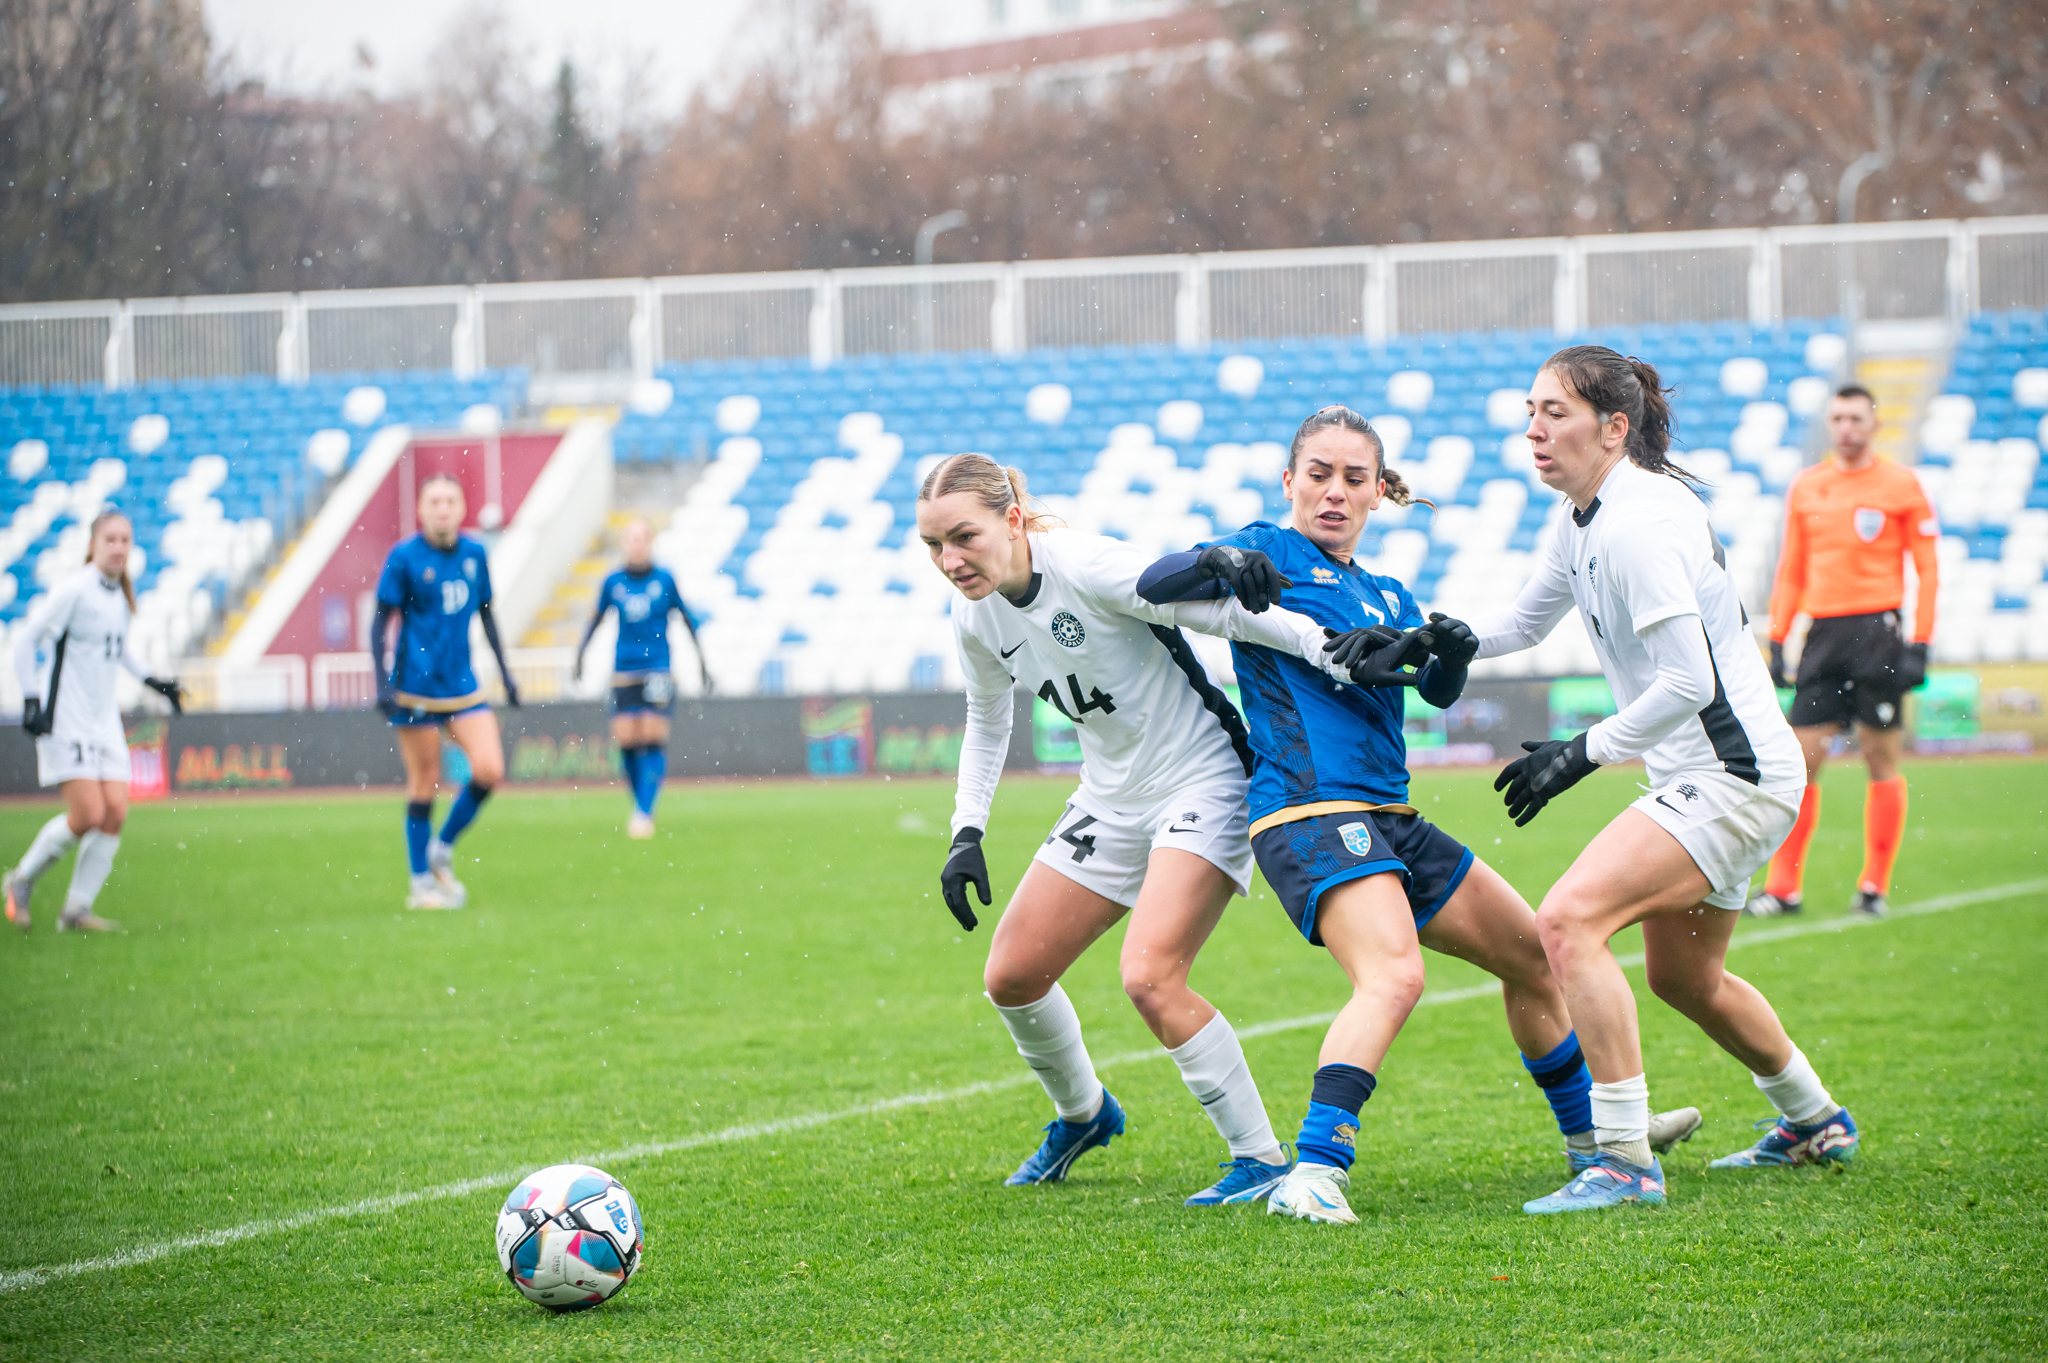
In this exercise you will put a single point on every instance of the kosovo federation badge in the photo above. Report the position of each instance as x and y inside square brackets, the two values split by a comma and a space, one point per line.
[1357, 838]
[1869, 522]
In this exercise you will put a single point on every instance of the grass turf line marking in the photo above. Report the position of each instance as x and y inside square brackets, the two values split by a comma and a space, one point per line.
[21, 1279]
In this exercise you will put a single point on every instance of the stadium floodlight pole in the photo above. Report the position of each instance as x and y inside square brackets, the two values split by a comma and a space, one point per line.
[927, 236]
[1853, 176]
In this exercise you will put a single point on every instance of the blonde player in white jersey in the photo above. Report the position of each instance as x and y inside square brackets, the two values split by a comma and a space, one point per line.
[1157, 829]
[1724, 772]
[71, 709]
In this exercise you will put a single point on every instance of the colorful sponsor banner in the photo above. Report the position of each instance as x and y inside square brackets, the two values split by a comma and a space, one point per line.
[149, 775]
[235, 766]
[839, 735]
[911, 750]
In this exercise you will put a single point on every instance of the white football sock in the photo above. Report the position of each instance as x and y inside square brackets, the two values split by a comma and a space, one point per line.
[1621, 1118]
[1048, 1036]
[95, 859]
[1212, 1064]
[1797, 1093]
[52, 842]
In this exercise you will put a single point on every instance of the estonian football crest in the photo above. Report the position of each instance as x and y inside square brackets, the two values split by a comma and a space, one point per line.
[1067, 631]
[1357, 838]
[1869, 524]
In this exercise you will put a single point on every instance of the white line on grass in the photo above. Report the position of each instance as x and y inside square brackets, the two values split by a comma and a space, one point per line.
[23, 1278]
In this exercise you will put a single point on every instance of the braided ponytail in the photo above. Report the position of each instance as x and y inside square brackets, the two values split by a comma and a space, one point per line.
[1392, 485]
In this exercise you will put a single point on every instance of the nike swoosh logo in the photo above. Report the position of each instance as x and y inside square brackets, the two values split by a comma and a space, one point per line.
[1011, 649]
[1668, 805]
[1176, 828]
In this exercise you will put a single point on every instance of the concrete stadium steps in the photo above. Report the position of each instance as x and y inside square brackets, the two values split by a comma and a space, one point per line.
[1902, 385]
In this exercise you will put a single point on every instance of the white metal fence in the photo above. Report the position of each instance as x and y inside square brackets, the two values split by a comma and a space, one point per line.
[624, 328]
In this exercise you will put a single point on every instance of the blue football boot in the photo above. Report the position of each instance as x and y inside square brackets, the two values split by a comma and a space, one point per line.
[1244, 1180]
[1833, 1141]
[1066, 1142]
[1608, 1181]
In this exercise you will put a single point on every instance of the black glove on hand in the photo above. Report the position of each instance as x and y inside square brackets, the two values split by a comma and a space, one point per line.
[1778, 667]
[511, 694]
[1912, 669]
[169, 689]
[1548, 771]
[387, 699]
[34, 717]
[1375, 655]
[1252, 577]
[965, 866]
[1456, 645]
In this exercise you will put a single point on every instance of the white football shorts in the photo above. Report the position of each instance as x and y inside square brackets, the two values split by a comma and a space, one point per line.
[1730, 828]
[91, 755]
[1107, 850]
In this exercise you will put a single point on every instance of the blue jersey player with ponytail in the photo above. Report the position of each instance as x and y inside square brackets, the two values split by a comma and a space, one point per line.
[1358, 870]
[643, 689]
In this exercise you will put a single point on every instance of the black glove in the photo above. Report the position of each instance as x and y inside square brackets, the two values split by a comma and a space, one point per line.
[965, 866]
[511, 693]
[576, 668]
[1912, 667]
[387, 698]
[1375, 655]
[34, 717]
[1251, 576]
[169, 689]
[1455, 643]
[1547, 772]
[1778, 666]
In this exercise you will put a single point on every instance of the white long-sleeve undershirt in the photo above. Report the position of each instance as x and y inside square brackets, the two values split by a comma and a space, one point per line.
[983, 749]
[1683, 686]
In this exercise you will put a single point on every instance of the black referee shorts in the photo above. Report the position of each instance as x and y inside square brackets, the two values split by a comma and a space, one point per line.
[1848, 673]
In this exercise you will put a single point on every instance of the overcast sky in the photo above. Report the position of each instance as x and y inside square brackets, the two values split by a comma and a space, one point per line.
[308, 48]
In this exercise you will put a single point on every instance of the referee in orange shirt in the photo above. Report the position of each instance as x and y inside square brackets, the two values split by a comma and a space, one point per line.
[1849, 525]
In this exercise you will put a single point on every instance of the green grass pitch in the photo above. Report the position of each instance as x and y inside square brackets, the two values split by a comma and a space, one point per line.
[273, 1036]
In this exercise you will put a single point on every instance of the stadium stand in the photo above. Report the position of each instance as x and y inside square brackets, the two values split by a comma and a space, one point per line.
[210, 472]
[1981, 463]
[796, 543]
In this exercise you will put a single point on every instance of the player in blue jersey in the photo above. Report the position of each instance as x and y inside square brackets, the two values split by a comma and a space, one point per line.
[433, 585]
[1352, 862]
[643, 689]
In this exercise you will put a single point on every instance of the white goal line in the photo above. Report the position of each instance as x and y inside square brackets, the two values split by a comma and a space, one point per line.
[20, 1279]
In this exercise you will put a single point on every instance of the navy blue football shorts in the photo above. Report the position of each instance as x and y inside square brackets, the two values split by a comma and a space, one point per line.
[653, 694]
[411, 717]
[1304, 859]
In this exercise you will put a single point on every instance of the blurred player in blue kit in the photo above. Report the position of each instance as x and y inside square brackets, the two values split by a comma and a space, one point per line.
[1355, 866]
[643, 688]
[433, 585]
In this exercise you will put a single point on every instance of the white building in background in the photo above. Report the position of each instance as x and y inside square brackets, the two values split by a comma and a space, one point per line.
[949, 58]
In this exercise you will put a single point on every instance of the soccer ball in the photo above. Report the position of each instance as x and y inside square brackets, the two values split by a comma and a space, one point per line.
[569, 1237]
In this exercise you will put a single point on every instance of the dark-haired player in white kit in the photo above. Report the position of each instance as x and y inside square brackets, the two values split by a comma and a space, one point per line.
[1641, 563]
[1157, 829]
[72, 711]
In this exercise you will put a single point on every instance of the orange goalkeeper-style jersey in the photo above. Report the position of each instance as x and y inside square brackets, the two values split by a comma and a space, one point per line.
[1846, 540]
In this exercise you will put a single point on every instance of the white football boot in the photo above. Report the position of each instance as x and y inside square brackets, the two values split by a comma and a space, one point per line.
[1313, 1192]
[16, 894]
[1669, 1128]
[441, 865]
[81, 918]
[640, 827]
[426, 893]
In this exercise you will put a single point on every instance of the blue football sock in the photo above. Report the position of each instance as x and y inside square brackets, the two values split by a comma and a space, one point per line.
[629, 761]
[419, 826]
[1565, 1081]
[463, 810]
[1329, 1133]
[653, 770]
